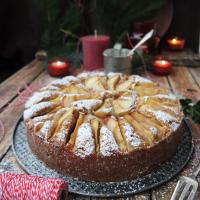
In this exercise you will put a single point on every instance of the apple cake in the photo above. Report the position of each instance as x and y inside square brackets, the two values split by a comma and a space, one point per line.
[103, 127]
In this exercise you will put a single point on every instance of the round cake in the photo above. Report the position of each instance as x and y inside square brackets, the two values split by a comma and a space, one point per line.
[103, 127]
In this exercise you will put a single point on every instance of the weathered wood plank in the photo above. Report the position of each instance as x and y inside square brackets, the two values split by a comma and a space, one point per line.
[10, 87]
[9, 119]
[9, 163]
[196, 74]
[183, 83]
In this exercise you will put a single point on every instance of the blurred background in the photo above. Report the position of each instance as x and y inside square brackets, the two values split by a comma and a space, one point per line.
[27, 26]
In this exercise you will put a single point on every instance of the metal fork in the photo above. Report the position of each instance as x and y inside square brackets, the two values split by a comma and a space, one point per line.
[186, 187]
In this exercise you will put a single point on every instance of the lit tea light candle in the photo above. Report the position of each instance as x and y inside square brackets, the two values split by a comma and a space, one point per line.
[176, 43]
[161, 66]
[58, 68]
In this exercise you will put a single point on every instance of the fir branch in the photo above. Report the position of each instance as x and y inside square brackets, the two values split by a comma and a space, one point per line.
[191, 109]
[112, 17]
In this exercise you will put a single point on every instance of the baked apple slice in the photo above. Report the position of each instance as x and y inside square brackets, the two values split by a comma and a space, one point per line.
[39, 109]
[87, 104]
[41, 96]
[133, 140]
[124, 86]
[75, 88]
[96, 83]
[113, 125]
[68, 99]
[151, 90]
[112, 82]
[105, 109]
[156, 128]
[124, 104]
[47, 124]
[146, 134]
[107, 142]
[84, 143]
[95, 123]
[65, 125]
[80, 120]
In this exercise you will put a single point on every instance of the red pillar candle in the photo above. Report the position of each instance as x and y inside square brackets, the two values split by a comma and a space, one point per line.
[161, 66]
[58, 68]
[93, 47]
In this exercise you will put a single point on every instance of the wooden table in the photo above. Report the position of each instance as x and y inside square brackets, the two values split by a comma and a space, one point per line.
[15, 90]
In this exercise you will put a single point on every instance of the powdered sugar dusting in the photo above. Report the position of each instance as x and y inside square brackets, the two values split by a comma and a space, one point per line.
[166, 96]
[108, 144]
[130, 98]
[160, 115]
[60, 82]
[114, 74]
[107, 110]
[71, 79]
[132, 138]
[65, 81]
[174, 126]
[84, 145]
[49, 87]
[161, 96]
[33, 110]
[173, 109]
[43, 118]
[139, 79]
[63, 132]
[45, 131]
[39, 96]
[86, 104]
[74, 95]
[90, 74]
[154, 130]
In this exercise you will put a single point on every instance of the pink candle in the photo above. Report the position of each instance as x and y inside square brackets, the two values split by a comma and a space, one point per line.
[93, 47]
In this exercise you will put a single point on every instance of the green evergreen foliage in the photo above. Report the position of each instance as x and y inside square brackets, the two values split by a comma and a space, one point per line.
[56, 16]
[115, 16]
[191, 109]
[64, 21]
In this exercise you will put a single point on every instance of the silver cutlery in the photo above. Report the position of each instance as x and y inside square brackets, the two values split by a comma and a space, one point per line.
[186, 187]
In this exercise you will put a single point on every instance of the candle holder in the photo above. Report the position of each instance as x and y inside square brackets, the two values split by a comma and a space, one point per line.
[117, 60]
[175, 43]
[58, 67]
[161, 66]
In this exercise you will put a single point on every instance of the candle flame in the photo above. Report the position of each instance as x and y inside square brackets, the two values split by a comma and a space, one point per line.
[163, 62]
[59, 62]
[174, 41]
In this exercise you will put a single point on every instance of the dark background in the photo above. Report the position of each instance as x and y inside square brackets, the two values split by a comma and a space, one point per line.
[19, 31]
